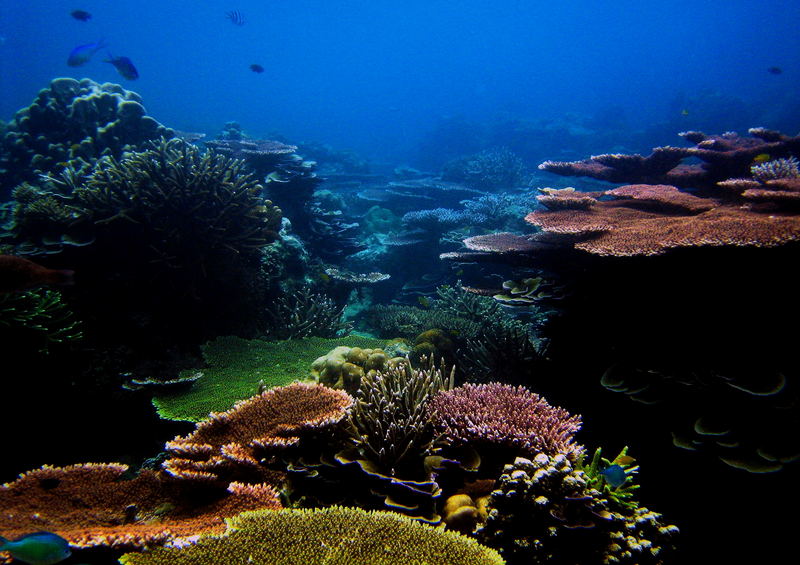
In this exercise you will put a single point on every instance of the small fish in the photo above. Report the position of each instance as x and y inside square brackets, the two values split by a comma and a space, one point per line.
[236, 17]
[624, 460]
[761, 158]
[18, 274]
[614, 475]
[82, 53]
[775, 70]
[38, 548]
[124, 67]
[81, 15]
[684, 112]
[424, 301]
[256, 68]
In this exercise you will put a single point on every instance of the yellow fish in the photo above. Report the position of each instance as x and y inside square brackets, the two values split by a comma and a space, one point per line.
[761, 158]
[424, 301]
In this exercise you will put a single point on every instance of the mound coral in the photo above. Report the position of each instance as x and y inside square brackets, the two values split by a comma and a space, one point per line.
[544, 511]
[503, 415]
[93, 505]
[72, 124]
[230, 445]
[338, 536]
[344, 367]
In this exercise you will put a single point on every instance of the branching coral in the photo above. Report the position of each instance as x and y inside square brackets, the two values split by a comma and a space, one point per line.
[389, 423]
[42, 315]
[335, 536]
[305, 313]
[496, 414]
[487, 170]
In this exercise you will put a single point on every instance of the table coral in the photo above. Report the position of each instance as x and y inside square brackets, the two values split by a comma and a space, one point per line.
[335, 536]
[93, 505]
[230, 445]
[238, 367]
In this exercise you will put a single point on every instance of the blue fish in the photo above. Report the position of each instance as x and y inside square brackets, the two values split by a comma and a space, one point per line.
[38, 548]
[82, 53]
[124, 67]
[614, 475]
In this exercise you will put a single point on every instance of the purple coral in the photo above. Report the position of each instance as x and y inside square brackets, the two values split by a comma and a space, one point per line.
[504, 415]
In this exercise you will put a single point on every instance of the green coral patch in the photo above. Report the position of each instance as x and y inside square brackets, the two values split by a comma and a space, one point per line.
[334, 536]
[237, 367]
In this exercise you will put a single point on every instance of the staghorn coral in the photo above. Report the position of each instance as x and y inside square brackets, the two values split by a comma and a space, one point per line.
[38, 317]
[776, 169]
[395, 320]
[93, 505]
[71, 124]
[230, 445]
[544, 511]
[389, 424]
[305, 313]
[496, 414]
[335, 536]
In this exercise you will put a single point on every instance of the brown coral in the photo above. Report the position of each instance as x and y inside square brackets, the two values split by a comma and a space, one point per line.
[231, 444]
[93, 505]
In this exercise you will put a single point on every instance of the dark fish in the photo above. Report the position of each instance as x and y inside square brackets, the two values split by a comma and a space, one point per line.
[81, 15]
[82, 53]
[39, 548]
[236, 17]
[124, 67]
[775, 70]
[18, 274]
[256, 68]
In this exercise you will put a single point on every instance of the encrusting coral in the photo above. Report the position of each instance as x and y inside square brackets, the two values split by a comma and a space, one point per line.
[95, 505]
[335, 536]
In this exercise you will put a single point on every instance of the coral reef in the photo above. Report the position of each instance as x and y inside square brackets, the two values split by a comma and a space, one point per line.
[230, 445]
[93, 505]
[71, 124]
[497, 414]
[543, 510]
[332, 535]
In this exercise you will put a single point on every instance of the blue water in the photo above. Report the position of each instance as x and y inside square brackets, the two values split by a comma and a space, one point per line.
[377, 76]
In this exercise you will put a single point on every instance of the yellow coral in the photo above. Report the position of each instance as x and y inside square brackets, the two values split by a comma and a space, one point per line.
[335, 536]
[344, 367]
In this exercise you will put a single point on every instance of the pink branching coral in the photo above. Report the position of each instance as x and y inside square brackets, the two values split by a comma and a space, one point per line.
[504, 415]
